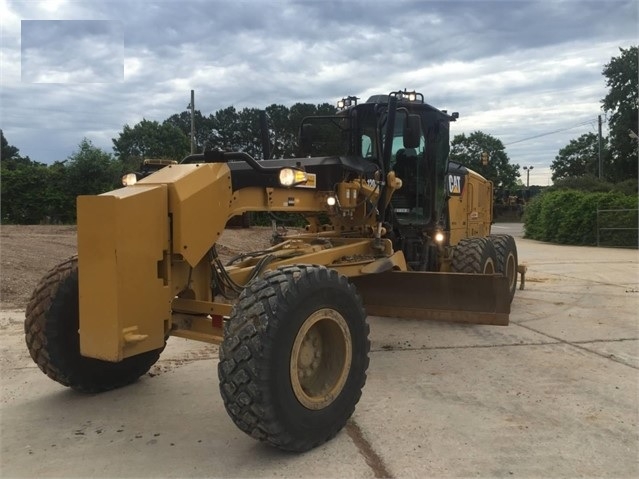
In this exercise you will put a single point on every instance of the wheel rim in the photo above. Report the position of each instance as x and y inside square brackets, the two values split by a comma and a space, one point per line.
[510, 270]
[321, 359]
[489, 267]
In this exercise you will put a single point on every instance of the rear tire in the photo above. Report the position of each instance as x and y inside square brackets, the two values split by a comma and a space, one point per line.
[51, 332]
[506, 250]
[474, 255]
[294, 357]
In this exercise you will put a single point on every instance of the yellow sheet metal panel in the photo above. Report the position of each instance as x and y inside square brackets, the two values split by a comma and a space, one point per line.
[199, 201]
[123, 237]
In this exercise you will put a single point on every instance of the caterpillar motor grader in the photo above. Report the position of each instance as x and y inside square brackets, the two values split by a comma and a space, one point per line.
[394, 229]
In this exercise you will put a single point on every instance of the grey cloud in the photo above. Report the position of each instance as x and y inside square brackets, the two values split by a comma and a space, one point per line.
[72, 51]
[36, 33]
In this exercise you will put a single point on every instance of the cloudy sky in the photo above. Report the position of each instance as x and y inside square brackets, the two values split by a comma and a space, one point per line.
[526, 72]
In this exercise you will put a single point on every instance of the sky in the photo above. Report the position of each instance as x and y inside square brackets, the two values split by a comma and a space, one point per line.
[526, 72]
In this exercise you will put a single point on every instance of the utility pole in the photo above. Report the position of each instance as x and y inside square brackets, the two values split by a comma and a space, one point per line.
[600, 161]
[192, 106]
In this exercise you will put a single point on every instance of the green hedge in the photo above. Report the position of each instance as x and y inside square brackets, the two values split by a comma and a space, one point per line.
[570, 217]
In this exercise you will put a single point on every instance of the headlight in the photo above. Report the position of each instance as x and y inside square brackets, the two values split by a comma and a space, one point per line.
[291, 177]
[331, 201]
[129, 179]
[439, 237]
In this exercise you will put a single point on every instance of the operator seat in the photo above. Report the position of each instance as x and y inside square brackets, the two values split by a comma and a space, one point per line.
[405, 164]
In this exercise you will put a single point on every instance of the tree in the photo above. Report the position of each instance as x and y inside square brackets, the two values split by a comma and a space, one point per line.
[468, 150]
[282, 134]
[248, 123]
[59, 200]
[91, 171]
[87, 171]
[580, 157]
[622, 101]
[150, 139]
[224, 133]
[22, 188]
[7, 152]
[284, 125]
[22, 194]
[203, 127]
[240, 130]
[10, 157]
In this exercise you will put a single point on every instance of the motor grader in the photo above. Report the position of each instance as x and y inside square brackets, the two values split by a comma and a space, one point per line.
[393, 229]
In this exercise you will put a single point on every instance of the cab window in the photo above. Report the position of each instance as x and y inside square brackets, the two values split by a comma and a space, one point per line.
[405, 154]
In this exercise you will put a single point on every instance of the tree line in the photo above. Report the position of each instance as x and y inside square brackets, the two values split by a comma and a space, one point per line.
[589, 205]
[578, 162]
[33, 192]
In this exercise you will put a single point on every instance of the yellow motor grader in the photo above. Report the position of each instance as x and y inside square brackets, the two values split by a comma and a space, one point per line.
[393, 229]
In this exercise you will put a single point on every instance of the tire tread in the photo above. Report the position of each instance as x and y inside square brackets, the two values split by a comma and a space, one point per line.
[248, 343]
[50, 321]
[470, 254]
[505, 244]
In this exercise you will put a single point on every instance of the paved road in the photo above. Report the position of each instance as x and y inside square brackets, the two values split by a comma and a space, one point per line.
[513, 229]
[552, 395]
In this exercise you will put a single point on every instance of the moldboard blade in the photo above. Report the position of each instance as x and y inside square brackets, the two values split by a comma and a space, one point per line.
[458, 297]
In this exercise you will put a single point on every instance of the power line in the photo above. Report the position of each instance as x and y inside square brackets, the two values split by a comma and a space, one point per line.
[586, 122]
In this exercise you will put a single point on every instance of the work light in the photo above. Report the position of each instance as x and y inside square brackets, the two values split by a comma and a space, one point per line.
[129, 179]
[291, 177]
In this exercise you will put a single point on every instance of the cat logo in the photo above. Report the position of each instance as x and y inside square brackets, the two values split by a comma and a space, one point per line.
[454, 185]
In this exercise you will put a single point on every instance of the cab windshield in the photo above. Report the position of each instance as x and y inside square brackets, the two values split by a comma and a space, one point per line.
[422, 169]
[361, 132]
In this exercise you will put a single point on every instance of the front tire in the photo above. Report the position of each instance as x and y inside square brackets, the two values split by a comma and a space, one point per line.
[294, 357]
[506, 250]
[51, 333]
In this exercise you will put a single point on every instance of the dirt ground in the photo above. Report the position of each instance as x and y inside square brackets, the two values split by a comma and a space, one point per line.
[28, 252]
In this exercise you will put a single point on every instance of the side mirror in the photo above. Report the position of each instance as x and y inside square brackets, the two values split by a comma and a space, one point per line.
[412, 131]
[306, 139]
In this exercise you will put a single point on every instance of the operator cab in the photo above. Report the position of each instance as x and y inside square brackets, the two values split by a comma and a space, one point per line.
[418, 149]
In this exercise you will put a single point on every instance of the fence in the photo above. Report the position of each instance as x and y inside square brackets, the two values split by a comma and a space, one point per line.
[618, 227]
